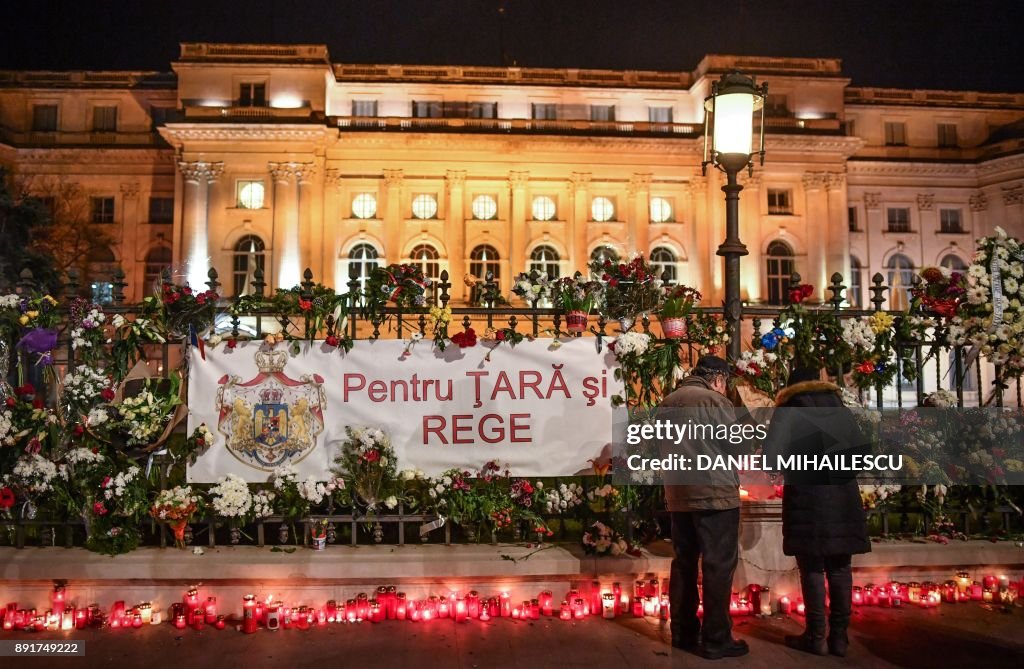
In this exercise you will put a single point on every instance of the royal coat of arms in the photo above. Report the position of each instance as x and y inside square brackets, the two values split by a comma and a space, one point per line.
[271, 420]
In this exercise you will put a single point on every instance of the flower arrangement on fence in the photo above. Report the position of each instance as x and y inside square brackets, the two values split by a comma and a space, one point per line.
[532, 286]
[575, 293]
[368, 465]
[876, 359]
[630, 288]
[941, 291]
[33, 321]
[320, 309]
[403, 285]
[84, 387]
[87, 329]
[562, 499]
[187, 312]
[649, 367]
[143, 417]
[175, 508]
[761, 369]
[811, 337]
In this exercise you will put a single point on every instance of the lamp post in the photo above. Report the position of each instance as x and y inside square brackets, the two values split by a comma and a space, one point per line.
[728, 146]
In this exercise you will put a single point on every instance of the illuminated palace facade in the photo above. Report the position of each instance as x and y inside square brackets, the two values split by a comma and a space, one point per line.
[273, 155]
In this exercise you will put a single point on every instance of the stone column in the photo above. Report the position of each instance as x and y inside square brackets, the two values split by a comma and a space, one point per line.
[286, 227]
[393, 183]
[517, 182]
[129, 237]
[927, 224]
[455, 227]
[198, 176]
[329, 231]
[639, 212]
[305, 175]
[978, 204]
[837, 245]
[579, 185]
[816, 221]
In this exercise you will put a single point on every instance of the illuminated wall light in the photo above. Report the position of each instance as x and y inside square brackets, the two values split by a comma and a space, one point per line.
[286, 101]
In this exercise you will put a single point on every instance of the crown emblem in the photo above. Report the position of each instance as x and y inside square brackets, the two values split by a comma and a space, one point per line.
[271, 361]
[271, 396]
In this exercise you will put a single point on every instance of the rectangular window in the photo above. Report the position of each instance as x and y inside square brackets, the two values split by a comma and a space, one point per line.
[543, 111]
[252, 94]
[659, 114]
[483, 110]
[426, 109]
[104, 119]
[947, 135]
[898, 219]
[102, 209]
[950, 221]
[44, 118]
[895, 133]
[850, 127]
[364, 107]
[602, 113]
[851, 218]
[161, 210]
[779, 201]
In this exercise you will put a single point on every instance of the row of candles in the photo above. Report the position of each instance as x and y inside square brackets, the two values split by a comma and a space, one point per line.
[649, 598]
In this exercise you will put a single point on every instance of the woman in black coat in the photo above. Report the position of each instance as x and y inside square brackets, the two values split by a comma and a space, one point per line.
[823, 521]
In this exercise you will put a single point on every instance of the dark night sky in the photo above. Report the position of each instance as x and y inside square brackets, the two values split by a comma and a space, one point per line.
[955, 44]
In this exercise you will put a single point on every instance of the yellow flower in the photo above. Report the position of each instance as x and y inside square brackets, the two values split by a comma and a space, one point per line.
[23, 320]
[50, 300]
[32, 314]
[441, 316]
[880, 322]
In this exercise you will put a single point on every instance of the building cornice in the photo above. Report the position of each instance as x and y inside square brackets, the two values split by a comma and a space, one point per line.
[872, 168]
[179, 133]
[90, 155]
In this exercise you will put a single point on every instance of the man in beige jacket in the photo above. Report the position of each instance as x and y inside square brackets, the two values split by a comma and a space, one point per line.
[705, 523]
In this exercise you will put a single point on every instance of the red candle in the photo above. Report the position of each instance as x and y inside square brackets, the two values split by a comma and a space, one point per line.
[179, 621]
[484, 615]
[665, 606]
[535, 609]
[800, 608]
[288, 616]
[191, 601]
[506, 604]
[881, 596]
[785, 605]
[989, 581]
[976, 591]
[595, 596]
[80, 620]
[547, 604]
[400, 606]
[858, 595]
[376, 613]
[249, 614]
[579, 608]
[352, 611]
[414, 613]
[461, 611]
[564, 612]
[198, 618]
[363, 605]
[57, 599]
[949, 592]
[392, 602]
[382, 598]
[515, 613]
[621, 600]
[493, 608]
[442, 608]
[220, 623]
[473, 604]
[210, 611]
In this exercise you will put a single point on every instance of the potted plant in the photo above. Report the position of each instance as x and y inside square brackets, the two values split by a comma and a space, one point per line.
[577, 297]
[677, 305]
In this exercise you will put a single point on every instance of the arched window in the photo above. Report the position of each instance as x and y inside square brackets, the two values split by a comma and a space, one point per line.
[545, 259]
[600, 255]
[102, 263]
[157, 260]
[954, 262]
[855, 293]
[250, 255]
[663, 260]
[779, 266]
[362, 260]
[901, 277]
[483, 259]
[428, 260]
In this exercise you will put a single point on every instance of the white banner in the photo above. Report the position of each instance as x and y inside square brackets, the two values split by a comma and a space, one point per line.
[542, 408]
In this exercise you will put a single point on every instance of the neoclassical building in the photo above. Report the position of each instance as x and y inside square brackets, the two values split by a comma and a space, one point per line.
[272, 155]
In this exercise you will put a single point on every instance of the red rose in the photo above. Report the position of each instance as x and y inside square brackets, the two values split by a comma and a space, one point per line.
[37, 403]
[106, 482]
[372, 456]
[107, 394]
[331, 340]
[78, 430]
[99, 508]
[7, 498]
[200, 441]
[27, 389]
[613, 283]
[305, 305]
[10, 401]
[232, 343]
[465, 339]
[866, 367]
[500, 335]
[186, 290]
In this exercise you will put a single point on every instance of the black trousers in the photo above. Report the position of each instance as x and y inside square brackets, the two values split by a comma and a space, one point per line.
[814, 571]
[711, 538]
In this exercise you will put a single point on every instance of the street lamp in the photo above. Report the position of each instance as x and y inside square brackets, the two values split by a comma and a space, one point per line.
[729, 121]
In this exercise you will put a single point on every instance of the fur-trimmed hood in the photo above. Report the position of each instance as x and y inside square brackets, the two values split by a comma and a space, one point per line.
[789, 392]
